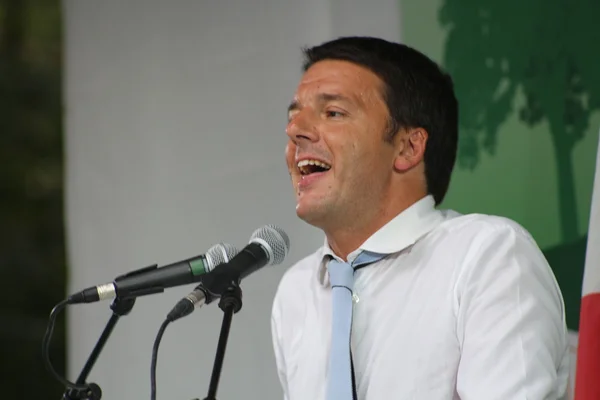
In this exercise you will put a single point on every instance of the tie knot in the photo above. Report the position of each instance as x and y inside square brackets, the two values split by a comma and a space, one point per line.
[341, 274]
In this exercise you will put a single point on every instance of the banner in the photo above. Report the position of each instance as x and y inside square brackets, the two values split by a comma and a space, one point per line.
[588, 354]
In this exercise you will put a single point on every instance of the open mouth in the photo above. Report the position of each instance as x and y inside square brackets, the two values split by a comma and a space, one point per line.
[308, 167]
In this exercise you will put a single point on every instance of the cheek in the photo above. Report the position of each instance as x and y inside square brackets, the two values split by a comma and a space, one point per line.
[362, 161]
[351, 153]
[290, 152]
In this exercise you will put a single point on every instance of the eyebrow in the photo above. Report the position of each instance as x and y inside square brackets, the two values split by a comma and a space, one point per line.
[321, 98]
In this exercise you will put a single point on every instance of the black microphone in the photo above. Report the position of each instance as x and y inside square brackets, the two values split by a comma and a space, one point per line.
[268, 245]
[152, 279]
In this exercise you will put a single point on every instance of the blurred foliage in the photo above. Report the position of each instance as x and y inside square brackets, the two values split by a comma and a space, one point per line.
[32, 251]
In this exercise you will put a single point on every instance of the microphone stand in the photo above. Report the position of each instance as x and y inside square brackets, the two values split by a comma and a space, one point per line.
[120, 307]
[230, 303]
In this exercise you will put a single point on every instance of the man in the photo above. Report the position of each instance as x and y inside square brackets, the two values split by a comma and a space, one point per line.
[461, 306]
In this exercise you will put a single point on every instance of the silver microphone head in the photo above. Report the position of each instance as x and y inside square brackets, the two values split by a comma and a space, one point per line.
[218, 254]
[275, 242]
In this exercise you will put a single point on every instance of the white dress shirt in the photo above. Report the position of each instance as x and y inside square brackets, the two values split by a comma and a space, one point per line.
[464, 307]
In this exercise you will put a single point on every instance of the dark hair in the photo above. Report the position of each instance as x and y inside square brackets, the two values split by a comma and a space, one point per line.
[417, 93]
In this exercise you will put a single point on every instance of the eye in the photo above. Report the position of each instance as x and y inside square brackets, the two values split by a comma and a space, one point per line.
[291, 116]
[334, 114]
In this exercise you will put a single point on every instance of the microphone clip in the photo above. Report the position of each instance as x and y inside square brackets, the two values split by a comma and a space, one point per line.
[220, 284]
[231, 298]
[91, 392]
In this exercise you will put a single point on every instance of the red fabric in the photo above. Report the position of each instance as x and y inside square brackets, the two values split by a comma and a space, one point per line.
[587, 379]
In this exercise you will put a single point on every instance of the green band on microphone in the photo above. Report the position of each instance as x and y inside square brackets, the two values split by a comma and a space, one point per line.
[198, 267]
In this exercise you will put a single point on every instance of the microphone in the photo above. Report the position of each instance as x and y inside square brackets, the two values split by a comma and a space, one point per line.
[152, 279]
[268, 245]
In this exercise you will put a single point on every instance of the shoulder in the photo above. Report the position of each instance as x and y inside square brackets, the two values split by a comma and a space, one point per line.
[296, 280]
[508, 307]
[302, 270]
[471, 232]
[483, 223]
[495, 251]
[491, 246]
[304, 266]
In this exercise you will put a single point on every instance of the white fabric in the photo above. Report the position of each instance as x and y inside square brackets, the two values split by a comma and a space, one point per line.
[466, 308]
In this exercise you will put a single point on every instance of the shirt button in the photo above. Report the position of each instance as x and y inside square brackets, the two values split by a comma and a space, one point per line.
[355, 298]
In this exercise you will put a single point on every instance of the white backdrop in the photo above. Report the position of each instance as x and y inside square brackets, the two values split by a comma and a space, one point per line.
[175, 116]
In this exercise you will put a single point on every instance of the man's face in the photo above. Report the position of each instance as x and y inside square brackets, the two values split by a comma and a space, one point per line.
[341, 166]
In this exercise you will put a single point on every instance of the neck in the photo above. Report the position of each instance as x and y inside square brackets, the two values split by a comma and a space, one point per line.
[348, 235]
[345, 240]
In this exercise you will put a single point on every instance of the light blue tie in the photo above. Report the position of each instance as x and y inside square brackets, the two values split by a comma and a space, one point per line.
[341, 276]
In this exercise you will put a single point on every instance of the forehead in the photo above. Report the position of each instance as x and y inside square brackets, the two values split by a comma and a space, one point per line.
[338, 76]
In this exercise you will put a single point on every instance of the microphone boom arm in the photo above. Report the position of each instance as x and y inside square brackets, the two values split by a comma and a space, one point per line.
[120, 307]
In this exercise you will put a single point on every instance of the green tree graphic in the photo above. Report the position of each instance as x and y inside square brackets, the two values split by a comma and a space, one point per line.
[547, 49]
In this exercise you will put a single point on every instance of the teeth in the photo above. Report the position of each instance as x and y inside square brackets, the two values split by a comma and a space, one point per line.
[304, 163]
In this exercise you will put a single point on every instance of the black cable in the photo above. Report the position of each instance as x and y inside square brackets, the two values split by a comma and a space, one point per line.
[46, 348]
[159, 336]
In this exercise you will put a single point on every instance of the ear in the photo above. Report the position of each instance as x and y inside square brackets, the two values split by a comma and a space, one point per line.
[411, 148]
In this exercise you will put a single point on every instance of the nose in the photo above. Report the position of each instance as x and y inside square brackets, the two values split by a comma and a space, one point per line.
[301, 127]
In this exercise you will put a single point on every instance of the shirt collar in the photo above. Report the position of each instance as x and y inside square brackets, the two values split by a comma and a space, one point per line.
[398, 234]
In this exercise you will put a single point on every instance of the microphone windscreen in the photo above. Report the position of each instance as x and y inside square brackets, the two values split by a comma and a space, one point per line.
[275, 242]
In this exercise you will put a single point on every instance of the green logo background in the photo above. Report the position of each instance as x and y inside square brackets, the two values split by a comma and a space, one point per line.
[528, 82]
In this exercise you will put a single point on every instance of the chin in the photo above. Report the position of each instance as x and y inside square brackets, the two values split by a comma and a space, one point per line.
[302, 212]
[310, 214]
